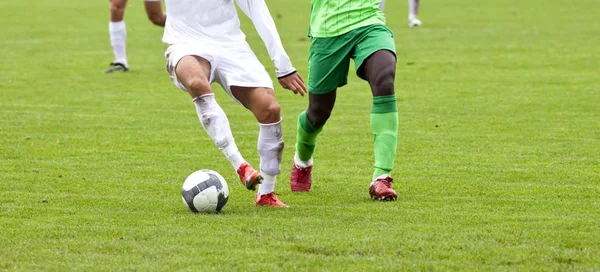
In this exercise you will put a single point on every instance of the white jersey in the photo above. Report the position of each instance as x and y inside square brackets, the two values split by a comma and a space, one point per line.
[216, 23]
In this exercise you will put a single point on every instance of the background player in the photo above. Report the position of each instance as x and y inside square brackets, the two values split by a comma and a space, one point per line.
[206, 45]
[343, 30]
[118, 31]
[413, 11]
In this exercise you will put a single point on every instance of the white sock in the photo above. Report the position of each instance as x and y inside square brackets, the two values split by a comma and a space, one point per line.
[300, 163]
[268, 183]
[118, 38]
[216, 124]
[381, 4]
[413, 9]
[270, 147]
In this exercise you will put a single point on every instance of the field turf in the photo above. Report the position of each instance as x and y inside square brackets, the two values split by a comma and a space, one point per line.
[498, 165]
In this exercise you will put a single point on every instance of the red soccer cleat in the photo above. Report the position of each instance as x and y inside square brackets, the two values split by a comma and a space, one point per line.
[249, 176]
[381, 189]
[269, 200]
[300, 178]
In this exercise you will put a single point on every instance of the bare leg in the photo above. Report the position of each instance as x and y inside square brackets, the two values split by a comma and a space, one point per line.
[194, 72]
[379, 70]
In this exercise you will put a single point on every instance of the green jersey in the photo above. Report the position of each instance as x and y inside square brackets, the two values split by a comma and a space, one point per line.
[330, 18]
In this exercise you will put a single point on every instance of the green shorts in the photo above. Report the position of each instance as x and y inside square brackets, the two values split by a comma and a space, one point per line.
[329, 58]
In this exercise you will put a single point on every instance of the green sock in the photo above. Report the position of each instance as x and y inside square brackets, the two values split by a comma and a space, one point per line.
[306, 138]
[384, 123]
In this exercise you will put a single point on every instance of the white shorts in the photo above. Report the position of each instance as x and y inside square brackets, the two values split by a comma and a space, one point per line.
[229, 65]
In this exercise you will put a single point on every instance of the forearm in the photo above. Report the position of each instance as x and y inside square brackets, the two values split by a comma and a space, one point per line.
[258, 12]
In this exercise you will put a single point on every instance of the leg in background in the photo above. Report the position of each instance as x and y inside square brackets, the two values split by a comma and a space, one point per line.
[118, 36]
[413, 11]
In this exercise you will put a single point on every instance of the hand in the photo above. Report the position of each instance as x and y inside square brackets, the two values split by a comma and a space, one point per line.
[294, 83]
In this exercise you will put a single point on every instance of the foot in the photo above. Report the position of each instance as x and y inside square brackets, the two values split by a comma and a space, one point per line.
[249, 176]
[116, 66]
[381, 189]
[413, 21]
[300, 178]
[269, 200]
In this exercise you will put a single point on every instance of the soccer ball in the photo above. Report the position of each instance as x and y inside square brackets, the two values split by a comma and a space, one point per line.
[205, 191]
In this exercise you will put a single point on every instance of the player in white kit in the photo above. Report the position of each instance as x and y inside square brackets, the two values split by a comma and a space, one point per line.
[413, 11]
[118, 31]
[207, 45]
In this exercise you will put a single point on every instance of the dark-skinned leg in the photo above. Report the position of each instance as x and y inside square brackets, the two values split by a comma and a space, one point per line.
[379, 70]
[320, 107]
[329, 60]
[311, 122]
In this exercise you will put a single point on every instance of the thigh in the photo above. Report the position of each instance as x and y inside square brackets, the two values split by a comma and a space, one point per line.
[175, 53]
[192, 71]
[371, 39]
[328, 63]
[379, 69]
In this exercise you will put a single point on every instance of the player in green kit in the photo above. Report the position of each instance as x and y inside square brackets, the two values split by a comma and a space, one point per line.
[341, 30]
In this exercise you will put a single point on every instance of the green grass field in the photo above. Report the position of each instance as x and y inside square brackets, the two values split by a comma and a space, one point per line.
[498, 165]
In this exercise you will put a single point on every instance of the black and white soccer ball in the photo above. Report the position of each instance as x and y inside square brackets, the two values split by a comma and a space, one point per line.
[205, 191]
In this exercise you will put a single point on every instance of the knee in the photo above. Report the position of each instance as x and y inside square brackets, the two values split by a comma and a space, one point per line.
[117, 7]
[198, 87]
[318, 116]
[383, 82]
[271, 113]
